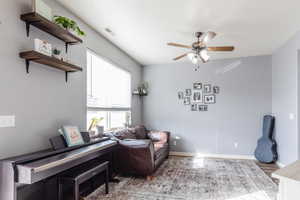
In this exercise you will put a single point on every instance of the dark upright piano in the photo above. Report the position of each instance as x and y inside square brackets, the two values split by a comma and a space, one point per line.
[26, 170]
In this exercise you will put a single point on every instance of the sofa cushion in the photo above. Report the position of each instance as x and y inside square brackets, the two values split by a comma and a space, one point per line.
[158, 136]
[140, 132]
[124, 134]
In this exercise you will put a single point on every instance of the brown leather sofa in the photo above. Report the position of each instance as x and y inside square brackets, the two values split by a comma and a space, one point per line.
[140, 151]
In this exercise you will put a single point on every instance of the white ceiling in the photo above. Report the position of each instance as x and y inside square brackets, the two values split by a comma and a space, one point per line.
[143, 27]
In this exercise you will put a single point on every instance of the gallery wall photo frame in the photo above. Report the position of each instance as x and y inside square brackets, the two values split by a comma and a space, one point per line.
[188, 92]
[197, 96]
[194, 107]
[207, 88]
[210, 99]
[203, 108]
[180, 95]
[187, 101]
[197, 86]
[216, 89]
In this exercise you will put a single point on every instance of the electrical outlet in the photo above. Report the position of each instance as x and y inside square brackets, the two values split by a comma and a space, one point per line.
[236, 145]
[292, 116]
[7, 121]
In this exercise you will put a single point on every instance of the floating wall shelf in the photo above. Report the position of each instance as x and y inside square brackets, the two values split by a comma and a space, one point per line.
[49, 61]
[48, 26]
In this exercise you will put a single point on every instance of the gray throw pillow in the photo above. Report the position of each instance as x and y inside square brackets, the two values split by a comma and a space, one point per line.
[140, 132]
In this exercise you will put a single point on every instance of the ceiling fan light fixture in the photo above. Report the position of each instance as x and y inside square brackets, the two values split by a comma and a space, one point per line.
[205, 39]
[204, 56]
[208, 36]
[193, 57]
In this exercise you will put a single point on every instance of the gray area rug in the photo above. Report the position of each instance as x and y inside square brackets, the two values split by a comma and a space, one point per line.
[181, 178]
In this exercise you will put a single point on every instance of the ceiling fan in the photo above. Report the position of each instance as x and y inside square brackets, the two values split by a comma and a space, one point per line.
[199, 48]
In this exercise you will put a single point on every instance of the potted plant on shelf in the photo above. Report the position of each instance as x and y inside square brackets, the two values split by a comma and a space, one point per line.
[56, 53]
[142, 89]
[68, 24]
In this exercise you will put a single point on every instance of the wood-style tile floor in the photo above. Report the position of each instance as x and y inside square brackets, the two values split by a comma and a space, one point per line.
[269, 169]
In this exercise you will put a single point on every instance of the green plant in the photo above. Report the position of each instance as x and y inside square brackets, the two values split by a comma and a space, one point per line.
[68, 24]
[56, 51]
[94, 122]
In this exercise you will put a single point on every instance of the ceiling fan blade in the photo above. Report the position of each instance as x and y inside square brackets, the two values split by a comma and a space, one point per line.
[228, 48]
[179, 57]
[179, 45]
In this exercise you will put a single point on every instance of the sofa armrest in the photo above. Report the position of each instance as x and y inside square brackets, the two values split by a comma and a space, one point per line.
[168, 140]
[157, 138]
[169, 136]
[135, 157]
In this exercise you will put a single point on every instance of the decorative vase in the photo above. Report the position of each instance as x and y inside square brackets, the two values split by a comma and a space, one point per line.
[100, 130]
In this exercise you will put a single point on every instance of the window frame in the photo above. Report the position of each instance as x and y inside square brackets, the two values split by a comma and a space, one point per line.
[107, 109]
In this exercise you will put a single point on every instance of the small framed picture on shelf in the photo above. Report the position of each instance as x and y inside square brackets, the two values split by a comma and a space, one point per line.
[197, 86]
[43, 47]
[180, 95]
[194, 107]
[40, 7]
[207, 88]
[216, 89]
[188, 92]
[187, 101]
[210, 99]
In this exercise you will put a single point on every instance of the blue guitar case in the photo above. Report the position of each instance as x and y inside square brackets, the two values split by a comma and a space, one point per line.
[266, 150]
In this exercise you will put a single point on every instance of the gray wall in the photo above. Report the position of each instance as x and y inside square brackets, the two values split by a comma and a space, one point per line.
[42, 101]
[236, 117]
[285, 101]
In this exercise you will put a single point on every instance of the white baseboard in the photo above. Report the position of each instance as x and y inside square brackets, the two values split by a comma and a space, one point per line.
[280, 164]
[205, 155]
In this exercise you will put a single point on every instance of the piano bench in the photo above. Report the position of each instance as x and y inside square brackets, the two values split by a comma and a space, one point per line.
[79, 177]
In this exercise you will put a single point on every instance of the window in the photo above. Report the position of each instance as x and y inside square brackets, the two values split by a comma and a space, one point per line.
[108, 93]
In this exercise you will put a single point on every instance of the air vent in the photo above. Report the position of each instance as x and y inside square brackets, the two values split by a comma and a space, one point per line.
[108, 30]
